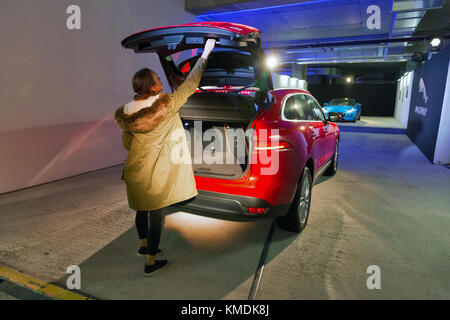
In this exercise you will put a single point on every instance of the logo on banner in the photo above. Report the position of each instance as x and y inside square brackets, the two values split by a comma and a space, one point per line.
[423, 92]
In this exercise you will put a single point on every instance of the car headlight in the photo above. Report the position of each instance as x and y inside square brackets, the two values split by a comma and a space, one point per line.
[351, 110]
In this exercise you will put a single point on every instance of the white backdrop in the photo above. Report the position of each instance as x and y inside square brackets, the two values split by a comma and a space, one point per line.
[59, 87]
[284, 81]
[442, 152]
[403, 100]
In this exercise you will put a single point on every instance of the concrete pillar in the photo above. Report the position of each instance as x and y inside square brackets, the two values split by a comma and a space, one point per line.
[299, 71]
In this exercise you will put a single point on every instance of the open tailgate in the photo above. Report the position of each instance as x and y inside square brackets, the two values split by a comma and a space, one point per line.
[168, 40]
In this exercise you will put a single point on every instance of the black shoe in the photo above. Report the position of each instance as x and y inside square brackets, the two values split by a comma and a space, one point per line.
[142, 252]
[159, 264]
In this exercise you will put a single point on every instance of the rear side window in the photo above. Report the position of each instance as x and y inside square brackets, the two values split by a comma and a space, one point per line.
[317, 109]
[291, 109]
[298, 107]
[306, 109]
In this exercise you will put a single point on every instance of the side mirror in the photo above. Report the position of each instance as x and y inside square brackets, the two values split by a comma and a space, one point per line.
[358, 105]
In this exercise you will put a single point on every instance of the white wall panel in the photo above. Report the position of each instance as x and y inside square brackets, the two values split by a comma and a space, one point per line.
[403, 98]
[442, 151]
[59, 87]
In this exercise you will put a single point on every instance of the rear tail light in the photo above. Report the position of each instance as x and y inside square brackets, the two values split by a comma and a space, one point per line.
[272, 145]
[256, 210]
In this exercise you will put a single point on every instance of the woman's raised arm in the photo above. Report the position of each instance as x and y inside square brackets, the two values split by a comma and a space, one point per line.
[184, 91]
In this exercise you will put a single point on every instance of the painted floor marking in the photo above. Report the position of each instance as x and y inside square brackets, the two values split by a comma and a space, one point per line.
[262, 261]
[39, 286]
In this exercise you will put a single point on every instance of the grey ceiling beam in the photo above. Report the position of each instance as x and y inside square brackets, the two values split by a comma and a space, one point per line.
[416, 5]
[202, 6]
[354, 43]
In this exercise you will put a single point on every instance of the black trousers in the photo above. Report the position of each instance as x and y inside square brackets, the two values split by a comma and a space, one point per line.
[152, 231]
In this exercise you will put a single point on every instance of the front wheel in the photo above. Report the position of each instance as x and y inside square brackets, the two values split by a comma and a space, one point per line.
[297, 217]
[331, 170]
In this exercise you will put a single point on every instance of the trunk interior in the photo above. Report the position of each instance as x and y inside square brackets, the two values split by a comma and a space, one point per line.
[224, 151]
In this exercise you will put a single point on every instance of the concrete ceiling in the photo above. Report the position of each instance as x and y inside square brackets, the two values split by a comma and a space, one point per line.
[308, 31]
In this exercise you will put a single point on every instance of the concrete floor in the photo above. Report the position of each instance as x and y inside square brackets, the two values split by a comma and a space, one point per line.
[386, 206]
[374, 122]
[4, 296]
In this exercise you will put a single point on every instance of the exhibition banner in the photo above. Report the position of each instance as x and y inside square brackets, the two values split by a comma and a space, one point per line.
[426, 102]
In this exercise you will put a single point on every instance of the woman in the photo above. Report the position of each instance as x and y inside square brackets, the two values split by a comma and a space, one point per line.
[153, 180]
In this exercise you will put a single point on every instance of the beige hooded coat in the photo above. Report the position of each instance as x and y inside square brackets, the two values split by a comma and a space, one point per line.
[155, 137]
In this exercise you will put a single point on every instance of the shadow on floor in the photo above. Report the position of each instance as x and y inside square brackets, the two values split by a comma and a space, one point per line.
[208, 259]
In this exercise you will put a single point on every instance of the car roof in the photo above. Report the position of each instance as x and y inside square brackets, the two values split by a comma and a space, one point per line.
[290, 90]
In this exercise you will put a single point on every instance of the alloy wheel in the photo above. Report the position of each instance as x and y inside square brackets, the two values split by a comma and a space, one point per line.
[305, 198]
[335, 160]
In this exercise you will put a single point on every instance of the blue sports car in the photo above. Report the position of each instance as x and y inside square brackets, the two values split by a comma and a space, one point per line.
[343, 110]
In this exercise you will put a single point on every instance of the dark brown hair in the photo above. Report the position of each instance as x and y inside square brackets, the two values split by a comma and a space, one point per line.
[142, 82]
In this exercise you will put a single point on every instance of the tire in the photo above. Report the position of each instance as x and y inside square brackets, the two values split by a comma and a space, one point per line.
[297, 217]
[331, 170]
[354, 120]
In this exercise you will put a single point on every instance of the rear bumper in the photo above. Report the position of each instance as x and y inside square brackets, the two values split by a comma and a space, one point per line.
[216, 203]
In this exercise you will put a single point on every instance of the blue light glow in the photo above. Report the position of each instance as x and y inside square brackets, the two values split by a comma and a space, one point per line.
[394, 17]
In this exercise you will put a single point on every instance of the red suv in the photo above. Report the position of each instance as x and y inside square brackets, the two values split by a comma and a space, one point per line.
[236, 94]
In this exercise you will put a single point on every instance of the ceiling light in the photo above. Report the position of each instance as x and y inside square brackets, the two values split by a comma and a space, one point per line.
[435, 42]
[271, 62]
[349, 79]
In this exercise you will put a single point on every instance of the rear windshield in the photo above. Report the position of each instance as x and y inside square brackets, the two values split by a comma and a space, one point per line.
[225, 68]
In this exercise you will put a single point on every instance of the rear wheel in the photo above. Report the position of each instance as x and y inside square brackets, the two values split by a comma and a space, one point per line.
[297, 217]
[331, 170]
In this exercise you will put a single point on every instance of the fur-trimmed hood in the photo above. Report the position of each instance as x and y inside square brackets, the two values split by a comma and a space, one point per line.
[145, 119]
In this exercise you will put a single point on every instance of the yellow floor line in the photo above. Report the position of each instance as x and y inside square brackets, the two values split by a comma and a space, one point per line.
[38, 285]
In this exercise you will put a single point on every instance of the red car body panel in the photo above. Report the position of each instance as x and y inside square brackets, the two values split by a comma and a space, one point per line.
[280, 188]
